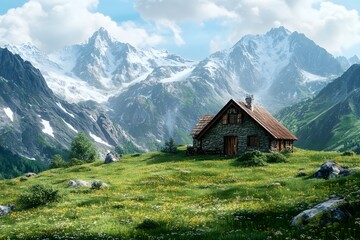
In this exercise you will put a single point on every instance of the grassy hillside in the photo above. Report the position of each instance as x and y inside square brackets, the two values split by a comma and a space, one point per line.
[171, 196]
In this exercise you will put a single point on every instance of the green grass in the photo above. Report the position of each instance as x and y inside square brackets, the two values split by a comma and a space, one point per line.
[172, 196]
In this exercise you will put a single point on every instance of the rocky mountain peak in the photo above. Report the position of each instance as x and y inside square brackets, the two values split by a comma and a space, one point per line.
[100, 38]
[22, 73]
[279, 32]
[354, 60]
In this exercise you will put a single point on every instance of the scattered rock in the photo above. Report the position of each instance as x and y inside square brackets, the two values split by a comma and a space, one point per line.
[6, 209]
[330, 169]
[30, 174]
[96, 184]
[79, 183]
[333, 210]
[111, 157]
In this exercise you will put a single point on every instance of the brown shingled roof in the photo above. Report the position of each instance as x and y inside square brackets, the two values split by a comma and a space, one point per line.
[267, 121]
[203, 121]
[258, 114]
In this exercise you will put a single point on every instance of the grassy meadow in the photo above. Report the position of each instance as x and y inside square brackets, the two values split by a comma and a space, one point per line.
[173, 196]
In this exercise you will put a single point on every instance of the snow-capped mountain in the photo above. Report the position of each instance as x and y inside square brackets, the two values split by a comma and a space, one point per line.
[97, 69]
[279, 68]
[153, 94]
[35, 123]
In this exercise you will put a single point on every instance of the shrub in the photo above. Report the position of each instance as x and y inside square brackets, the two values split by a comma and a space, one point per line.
[38, 195]
[252, 159]
[83, 149]
[170, 146]
[23, 179]
[349, 153]
[286, 151]
[75, 162]
[275, 158]
[57, 162]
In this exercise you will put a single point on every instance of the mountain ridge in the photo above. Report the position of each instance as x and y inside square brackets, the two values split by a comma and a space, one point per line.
[36, 124]
[153, 95]
[330, 120]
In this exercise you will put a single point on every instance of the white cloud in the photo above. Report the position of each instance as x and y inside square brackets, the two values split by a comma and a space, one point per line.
[170, 13]
[181, 11]
[54, 24]
[330, 25]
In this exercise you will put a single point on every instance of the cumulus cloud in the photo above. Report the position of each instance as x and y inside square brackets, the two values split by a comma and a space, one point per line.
[54, 24]
[170, 13]
[330, 25]
[180, 10]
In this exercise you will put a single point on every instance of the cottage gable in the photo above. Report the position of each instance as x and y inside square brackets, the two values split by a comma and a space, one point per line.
[239, 127]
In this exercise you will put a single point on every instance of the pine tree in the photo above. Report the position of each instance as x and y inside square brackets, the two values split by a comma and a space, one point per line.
[83, 149]
[170, 146]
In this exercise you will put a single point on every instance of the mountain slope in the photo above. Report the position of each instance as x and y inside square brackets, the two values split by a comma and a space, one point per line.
[97, 69]
[34, 122]
[331, 120]
[280, 68]
[154, 95]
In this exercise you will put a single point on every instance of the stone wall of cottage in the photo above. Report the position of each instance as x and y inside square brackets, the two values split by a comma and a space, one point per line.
[214, 137]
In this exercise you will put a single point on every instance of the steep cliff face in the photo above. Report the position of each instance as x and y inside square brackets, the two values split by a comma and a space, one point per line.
[34, 122]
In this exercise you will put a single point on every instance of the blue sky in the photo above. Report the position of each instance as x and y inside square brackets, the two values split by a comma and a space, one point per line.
[193, 29]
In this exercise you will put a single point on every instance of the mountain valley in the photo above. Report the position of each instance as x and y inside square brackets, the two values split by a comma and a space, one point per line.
[153, 95]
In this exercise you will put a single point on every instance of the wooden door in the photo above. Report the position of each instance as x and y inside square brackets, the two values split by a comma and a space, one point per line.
[230, 145]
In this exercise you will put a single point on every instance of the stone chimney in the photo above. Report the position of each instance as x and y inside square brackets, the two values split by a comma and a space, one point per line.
[250, 102]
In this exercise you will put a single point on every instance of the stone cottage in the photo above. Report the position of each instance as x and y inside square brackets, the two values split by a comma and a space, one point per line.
[240, 127]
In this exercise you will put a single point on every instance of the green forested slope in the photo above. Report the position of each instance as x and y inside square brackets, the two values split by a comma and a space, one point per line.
[331, 120]
[12, 165]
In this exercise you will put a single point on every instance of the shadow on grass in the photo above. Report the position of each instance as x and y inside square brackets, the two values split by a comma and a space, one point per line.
[94, 201]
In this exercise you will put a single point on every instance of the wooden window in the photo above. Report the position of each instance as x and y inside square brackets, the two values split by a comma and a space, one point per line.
[232, 117]
[225, 119]
[253, 141]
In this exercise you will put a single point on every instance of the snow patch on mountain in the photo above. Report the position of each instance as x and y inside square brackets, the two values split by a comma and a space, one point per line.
[99, 140]
[9, 113]
[180, 76]
[65, 111]
[47, 128]
[70, 126]
[309, 77]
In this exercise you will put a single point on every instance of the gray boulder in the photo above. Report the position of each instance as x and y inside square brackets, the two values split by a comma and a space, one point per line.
[6, 209]
[333, 210]
[96, 184]
[330, 169]
[111, 157]
[79, 183]
[30, 174]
